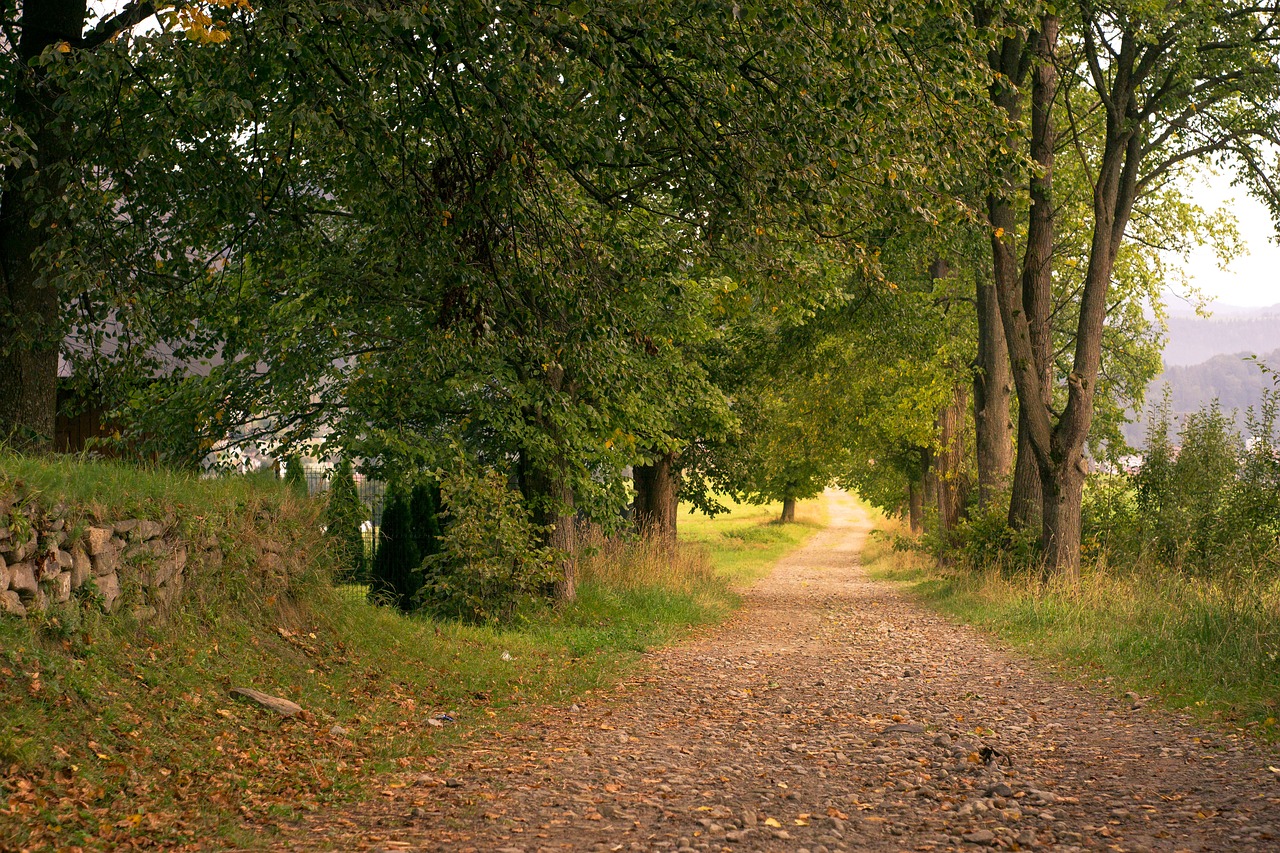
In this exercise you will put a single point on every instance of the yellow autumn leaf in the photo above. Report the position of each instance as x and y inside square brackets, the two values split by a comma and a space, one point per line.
[999, 233]
[772, 822]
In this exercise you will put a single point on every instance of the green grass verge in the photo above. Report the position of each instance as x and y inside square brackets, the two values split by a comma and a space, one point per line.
[1210, 647]
[115, 734]
[745, 542]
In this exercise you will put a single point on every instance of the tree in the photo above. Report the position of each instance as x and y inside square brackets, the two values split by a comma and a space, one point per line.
[395, 576]
[61, 128]
[514, 277]
[344, 514]
[1168, 84]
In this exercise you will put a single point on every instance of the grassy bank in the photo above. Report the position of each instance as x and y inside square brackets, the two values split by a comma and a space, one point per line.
[1211, 647]
[116, 734]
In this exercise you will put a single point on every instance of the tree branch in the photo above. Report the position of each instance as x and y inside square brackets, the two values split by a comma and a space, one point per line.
[132, 15]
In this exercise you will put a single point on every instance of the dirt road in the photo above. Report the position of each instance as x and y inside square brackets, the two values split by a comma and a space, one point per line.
[833, 714]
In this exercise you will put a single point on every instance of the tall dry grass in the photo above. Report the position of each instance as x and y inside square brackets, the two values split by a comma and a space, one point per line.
[632, 563]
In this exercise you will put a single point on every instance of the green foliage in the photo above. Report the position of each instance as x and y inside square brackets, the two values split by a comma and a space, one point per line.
[1255, 495]
[395, 576]
[344, 515]
[1112, 519]
[489, 560]
[424, 514]
[1154, 480]
[984, 538]
[1185, 502]
[1209, 505]
[295, 475]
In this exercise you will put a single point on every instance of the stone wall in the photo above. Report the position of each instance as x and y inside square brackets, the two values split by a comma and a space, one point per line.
[50, 556]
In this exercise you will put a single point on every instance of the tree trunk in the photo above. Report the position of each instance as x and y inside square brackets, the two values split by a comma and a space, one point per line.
[30, 320]
[563, 537]
[929, 479]
[1025, 505]
[992, 395]
[549, 494]
[949, 473]
[915, 504]
[656, 485]
[1060, 537]
[788, 509]
[551, 500]
[1059, 446]
[1026, 499]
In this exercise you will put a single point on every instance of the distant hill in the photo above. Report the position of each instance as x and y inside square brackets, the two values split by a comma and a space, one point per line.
[1235, 383]
[1205, 360]
[1230, 329]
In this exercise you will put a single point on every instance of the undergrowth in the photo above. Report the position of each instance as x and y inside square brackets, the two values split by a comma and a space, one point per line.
[1209, 645]
[116, 734]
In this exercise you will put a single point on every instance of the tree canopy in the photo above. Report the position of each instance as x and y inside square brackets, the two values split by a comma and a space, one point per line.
[737, 247]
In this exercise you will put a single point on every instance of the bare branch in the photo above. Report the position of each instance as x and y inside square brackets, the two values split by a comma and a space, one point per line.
[132, 15]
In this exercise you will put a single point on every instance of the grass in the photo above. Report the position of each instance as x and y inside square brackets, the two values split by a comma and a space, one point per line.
[117, 734]
[118, 490]
[1211, 647]
[744, 543]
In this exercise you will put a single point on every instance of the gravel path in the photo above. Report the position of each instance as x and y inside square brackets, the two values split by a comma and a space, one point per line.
[833, 714]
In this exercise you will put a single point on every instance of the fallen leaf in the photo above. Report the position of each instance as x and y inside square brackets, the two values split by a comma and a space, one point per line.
[772, 822]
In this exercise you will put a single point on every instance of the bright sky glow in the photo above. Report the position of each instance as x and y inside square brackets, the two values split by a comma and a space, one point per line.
[1253, 279]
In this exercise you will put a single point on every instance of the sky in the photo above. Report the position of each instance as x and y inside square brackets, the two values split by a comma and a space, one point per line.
[1251, 279]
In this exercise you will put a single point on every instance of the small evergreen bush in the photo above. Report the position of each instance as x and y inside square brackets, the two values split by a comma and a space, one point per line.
[344, 515]
[295, 476]
[396, 576]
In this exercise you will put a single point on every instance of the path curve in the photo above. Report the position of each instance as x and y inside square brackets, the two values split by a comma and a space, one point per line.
[833, 714]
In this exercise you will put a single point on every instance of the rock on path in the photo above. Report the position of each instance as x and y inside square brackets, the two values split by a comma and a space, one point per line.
[831, 714]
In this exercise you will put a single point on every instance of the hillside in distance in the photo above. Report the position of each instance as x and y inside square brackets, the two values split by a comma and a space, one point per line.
[1206, 358]
[1229, 329]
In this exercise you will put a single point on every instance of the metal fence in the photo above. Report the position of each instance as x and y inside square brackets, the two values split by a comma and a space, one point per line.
[372, 492]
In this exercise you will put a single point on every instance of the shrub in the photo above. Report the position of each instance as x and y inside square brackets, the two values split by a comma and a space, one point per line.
[344, 514]
[295, 476]
[396, 575]
[984, 538]
[424, 513]
[489, 560]
[1204, 475]
[1214, 504]
[1254, 502]
[1110, 519]
[1154, 480]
